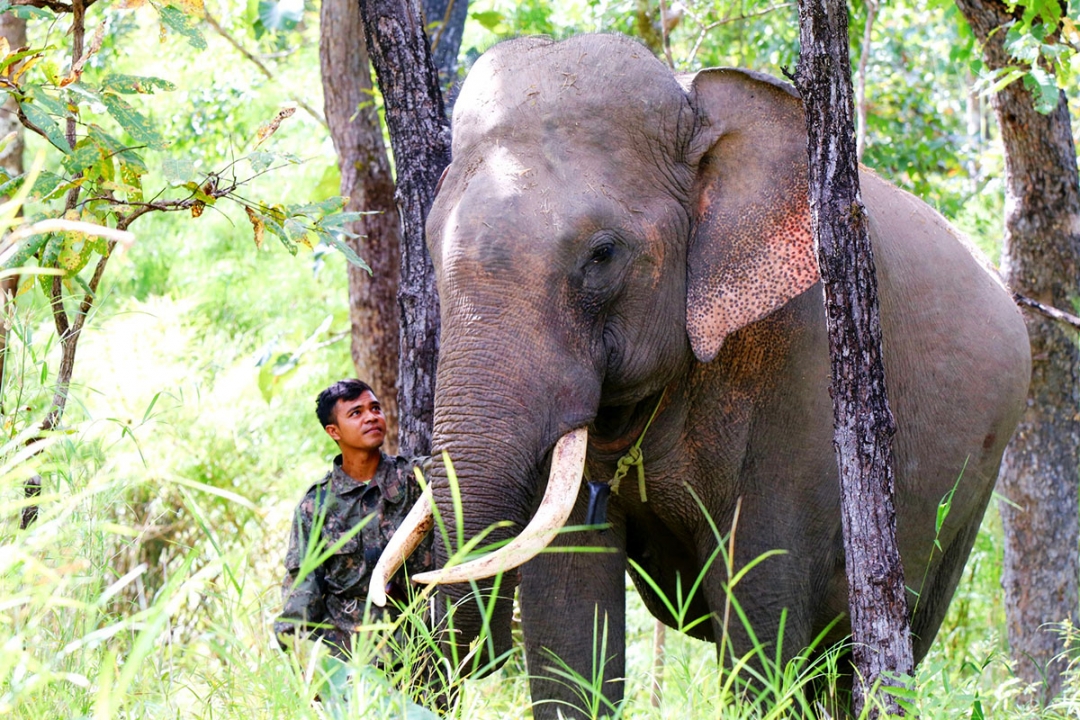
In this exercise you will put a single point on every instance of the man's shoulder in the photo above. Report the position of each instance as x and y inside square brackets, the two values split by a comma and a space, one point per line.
[396, 475]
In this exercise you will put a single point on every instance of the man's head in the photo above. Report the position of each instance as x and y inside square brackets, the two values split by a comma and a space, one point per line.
[352, 415]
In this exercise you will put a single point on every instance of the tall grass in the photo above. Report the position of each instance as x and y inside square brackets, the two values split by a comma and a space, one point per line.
[149, 584]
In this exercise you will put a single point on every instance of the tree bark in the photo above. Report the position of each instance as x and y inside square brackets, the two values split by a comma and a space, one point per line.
[1040, 468]
[420, 138]
[11, 159]
[864, 424]
[445, 21]
[367, 181]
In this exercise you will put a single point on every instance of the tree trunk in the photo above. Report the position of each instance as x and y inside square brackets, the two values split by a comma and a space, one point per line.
[11, 159]
[420, 137]
[367, 181]
[1040, 468]
[445, 21]
[864, 424]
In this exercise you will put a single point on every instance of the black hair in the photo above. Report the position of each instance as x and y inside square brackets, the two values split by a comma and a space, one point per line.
[349, 389]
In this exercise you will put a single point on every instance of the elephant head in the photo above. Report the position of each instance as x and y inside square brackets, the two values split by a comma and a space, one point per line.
[603, 226]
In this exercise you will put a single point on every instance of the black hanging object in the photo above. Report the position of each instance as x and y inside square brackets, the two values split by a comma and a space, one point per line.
[598, 497]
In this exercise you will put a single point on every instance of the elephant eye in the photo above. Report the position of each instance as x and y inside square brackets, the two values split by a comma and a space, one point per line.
[602, 253]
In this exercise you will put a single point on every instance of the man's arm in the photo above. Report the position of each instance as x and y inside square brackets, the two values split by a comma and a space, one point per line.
[302, 588]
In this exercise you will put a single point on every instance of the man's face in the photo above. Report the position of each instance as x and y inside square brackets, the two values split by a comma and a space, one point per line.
[359, 424]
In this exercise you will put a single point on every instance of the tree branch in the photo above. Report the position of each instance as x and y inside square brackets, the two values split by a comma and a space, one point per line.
[212, 22]
[1051, 312]
[54, 5]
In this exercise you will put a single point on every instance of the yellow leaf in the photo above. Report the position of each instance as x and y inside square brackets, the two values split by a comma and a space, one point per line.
[27, 64]
[257, 225]
[271, 127]
[193, 8]
[1069, 30]
[5, 47]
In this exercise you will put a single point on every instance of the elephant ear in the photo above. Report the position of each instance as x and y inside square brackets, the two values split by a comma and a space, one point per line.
[751, 249]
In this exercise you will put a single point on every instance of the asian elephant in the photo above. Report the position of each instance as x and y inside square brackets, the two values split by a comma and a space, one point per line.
[612, 241]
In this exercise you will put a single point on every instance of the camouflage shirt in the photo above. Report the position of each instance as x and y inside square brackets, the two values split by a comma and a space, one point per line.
[335, 593]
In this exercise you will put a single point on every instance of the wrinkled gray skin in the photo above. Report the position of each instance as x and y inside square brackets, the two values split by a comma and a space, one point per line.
[608, 233]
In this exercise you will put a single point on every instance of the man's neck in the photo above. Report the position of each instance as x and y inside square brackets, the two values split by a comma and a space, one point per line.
[361, 465]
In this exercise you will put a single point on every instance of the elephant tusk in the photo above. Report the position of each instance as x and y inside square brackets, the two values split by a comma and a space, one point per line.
[564, 482]
[405, 540]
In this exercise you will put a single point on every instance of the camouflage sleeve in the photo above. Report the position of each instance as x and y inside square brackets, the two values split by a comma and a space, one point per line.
[302, 596]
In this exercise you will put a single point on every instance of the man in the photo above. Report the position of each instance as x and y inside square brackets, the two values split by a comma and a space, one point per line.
[360, 501]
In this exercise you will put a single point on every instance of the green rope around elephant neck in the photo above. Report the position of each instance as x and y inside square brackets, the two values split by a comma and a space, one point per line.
[633, 457]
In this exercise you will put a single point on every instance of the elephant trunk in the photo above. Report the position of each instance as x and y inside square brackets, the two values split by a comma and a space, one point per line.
[498, 415]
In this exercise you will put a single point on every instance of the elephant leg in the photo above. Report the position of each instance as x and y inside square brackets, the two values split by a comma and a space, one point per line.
[573, 611]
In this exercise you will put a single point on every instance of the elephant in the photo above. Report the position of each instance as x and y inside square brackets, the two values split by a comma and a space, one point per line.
[626, 268]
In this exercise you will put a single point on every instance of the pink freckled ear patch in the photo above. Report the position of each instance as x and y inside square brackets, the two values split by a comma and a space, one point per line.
[743, 266]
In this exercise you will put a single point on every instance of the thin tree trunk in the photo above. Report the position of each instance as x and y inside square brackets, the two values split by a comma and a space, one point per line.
[368, 183]
[864, 424]
[420, 137]
[860, 89]
[11, 159]
[1040, 469]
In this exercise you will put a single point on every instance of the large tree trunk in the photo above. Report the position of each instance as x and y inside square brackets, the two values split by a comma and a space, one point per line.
[366, 179]
[420, 138]
[1040, 468]
[864, 425]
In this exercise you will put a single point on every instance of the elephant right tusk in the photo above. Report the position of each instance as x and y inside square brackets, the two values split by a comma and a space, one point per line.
[405, 540]
[564, 483]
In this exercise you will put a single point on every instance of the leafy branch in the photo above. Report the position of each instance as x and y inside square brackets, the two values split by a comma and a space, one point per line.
[96, 185]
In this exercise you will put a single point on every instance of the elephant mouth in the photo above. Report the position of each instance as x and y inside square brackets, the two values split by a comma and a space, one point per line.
[564, 483]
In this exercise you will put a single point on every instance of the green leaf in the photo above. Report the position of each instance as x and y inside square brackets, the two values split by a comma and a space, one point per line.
[261, 160]
[87, 93]
[177, 171]
[47, 125]
[338, 220]
[489, 19]
[343, 247]
[280, 15]
[49, 103]
[13, 58]
[177, 21]
[86, 153]
[49, 254]
[28, 12]
[135, 84]
[27, 249]
[319, 209]
[1043, 88]
[297, 232]
[275, 227]
[45, 184]
[134, 123]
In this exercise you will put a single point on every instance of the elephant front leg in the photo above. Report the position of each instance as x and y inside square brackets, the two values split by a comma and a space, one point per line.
[573, 611]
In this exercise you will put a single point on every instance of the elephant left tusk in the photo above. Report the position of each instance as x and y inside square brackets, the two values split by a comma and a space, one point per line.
[405, 540]
[564, 482]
